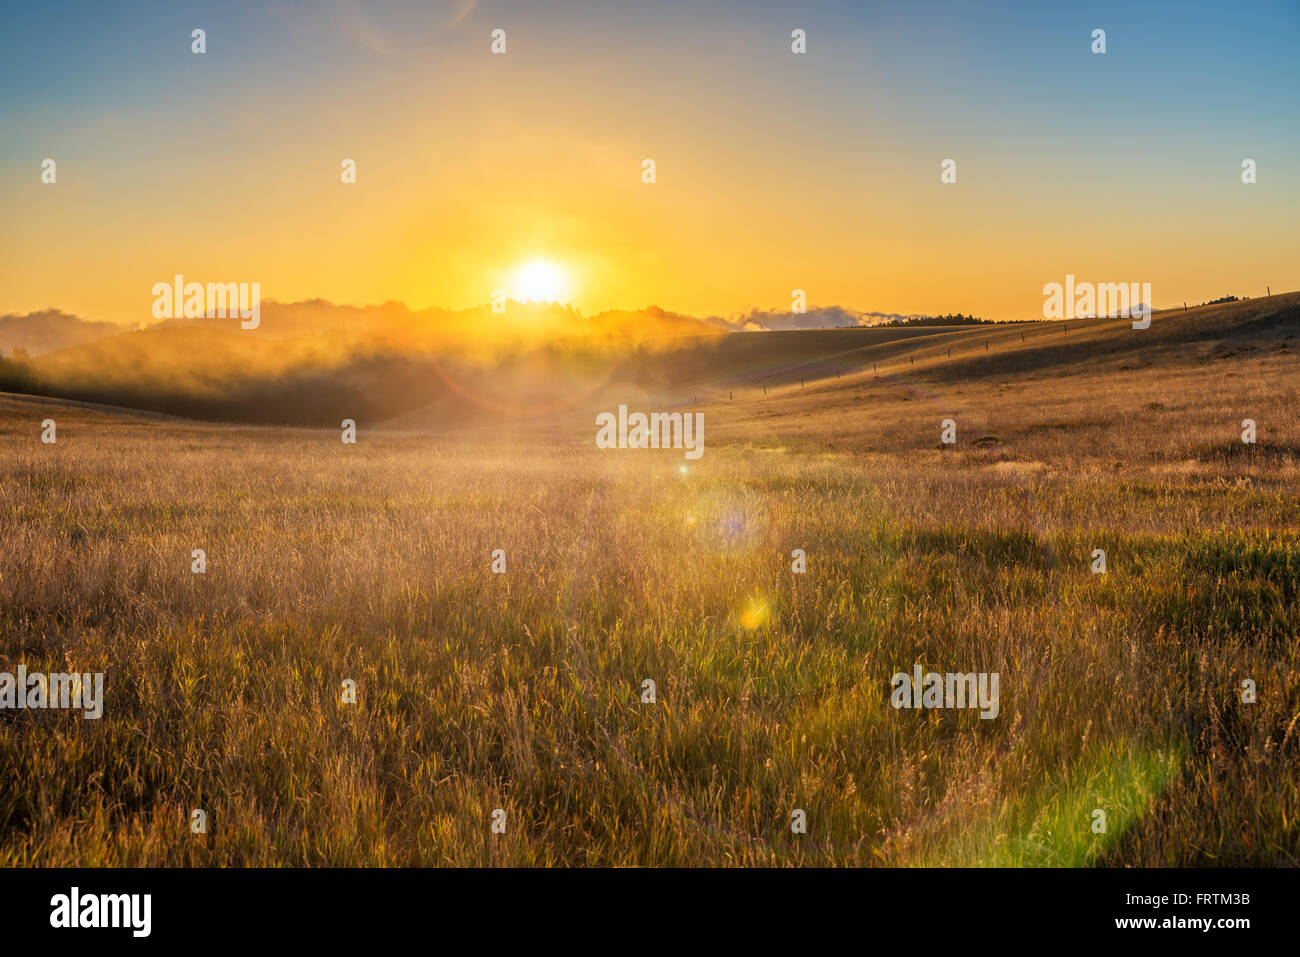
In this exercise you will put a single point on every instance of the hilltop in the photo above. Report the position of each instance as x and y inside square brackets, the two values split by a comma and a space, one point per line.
[428, 374]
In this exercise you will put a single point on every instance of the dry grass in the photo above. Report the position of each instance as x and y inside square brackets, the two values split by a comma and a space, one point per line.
[522, 691]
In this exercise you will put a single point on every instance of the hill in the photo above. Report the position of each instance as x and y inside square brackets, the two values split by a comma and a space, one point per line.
[522, 689]
[422, 372]
[49, 330]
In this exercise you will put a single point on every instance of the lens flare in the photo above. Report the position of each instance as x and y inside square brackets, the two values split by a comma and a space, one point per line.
[731, 519]
[756, 613]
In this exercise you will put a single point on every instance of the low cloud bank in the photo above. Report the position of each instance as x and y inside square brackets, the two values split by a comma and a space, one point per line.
[823, 317]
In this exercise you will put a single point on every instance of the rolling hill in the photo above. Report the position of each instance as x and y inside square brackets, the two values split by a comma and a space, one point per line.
[423, 377]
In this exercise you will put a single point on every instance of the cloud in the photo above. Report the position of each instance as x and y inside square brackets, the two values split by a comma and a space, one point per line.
[823, 317]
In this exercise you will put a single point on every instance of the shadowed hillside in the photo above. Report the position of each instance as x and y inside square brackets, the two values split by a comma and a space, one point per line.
[420, 376]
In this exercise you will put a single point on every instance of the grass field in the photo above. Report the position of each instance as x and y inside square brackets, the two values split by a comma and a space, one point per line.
[522, 691]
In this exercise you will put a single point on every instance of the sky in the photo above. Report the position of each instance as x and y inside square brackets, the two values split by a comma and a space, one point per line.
[775, 171]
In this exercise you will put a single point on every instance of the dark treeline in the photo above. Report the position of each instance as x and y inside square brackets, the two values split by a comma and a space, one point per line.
[948, 320]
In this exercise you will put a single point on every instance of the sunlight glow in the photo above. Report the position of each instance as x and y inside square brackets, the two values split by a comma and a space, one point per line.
[540, 281]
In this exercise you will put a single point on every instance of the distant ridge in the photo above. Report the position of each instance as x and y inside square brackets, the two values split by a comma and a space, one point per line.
[49, 330]
[213, 371]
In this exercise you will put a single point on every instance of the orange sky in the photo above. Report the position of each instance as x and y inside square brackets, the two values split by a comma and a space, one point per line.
[775, 171]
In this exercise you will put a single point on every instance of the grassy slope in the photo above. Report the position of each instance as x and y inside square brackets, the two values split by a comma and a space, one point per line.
[521, 691]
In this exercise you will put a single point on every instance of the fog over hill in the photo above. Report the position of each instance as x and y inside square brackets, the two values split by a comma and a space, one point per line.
[50, 330]
[449, 370]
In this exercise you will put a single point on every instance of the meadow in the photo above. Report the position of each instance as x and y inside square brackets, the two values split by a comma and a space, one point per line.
[522, 691]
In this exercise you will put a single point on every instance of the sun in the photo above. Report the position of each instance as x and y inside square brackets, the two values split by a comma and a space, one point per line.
[540, 281]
